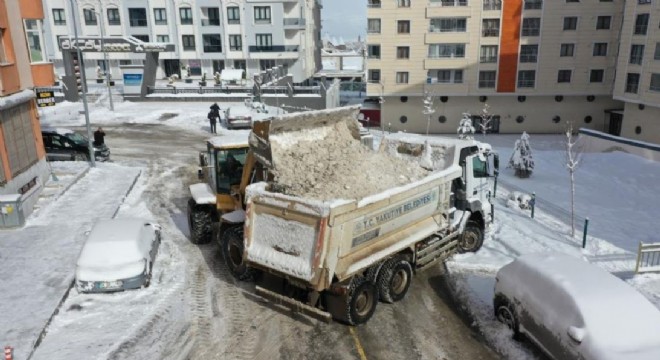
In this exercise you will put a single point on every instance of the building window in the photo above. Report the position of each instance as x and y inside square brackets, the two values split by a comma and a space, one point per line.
[59, 18]
[264, 41]
[526, 78]
[137, 17]
[33, 36]
[373, 4]
[600, 49]
[448, 25]
[450, 2]
[144, 38]
[160, 16]
[210, 16]
[572, 1]
[636, 54]
[235, 43]
[488, 54]
[596, 76]
[373, 51]
[492, 4]
[20, 145]
[402, 77]
[655, 82]
[632, 83]
[403, 52]
[564, 76]
[533, 4]
[491, 27]
[641, 24]
[446, 76]
[188, 42]
[446, 51]
[529, 53]
[531, 27]
[403, 3]
[212, 43]
[570, 23]
[90, 17]
[262, 14]
[656, 56]
[185, 13]
[373, 26]
[603, 22]
[113, 17]
[487, 79]
[374, 75]
[403, 26]
[267, 64]
[233, 15]
[642, 2]
[567, 50]
[163, 38]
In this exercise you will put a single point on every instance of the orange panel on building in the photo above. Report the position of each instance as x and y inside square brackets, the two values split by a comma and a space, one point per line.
[509, 44]
[36, 128]
[32, 9]
[5, 157]
[42, 74]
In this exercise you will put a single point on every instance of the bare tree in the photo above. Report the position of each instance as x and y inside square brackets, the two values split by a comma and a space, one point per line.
[573, 153]
[428, 109]
[486, 119]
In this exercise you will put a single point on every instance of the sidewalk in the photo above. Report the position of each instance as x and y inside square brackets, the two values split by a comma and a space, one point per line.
[38, 261]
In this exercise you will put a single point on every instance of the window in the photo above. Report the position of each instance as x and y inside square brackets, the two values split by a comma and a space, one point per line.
[603, 22]
[58, 17]
[373, 4]
[235, 43]
[641, 24]
[655, 82]
[162, 38]
[488, 54]
[533, 4]
[448, 25]
[570, 23]
[446, 51]
[113, 17]
[144, 38]
[212, 43]
[33, 36]
[491, 27]
[373, 51]
[21, 148]
[656, 56]
[636, 54]
[403, 3]
[90, 17]
[266, 64]
[402, 77]
[526, 78]
[262, 14]
[403, 52]
[210, 16]
[572, 1]
[374, 75]
[564, 76]
[492, 4]
[373, 26]
[567, 50]
[446, 76]
[487, 79]
[264, 41]
[600, 49]
[188, 42]
[403, 26]
[529, 53]
[632, 83]
[185, 13]
[531, 27]
[450, 2]
[642, 2]
[233, 15]
[137, 17]
[596, 76]
[160, 16]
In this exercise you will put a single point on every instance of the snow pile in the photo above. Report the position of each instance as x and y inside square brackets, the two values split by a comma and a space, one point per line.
[521, 159]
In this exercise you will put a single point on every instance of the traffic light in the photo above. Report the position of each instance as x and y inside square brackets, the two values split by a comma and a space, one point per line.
[77, 72]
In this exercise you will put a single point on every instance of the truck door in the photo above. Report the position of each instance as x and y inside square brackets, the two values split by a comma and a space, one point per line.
[477, 183]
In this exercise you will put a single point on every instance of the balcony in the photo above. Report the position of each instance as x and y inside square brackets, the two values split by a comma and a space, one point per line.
[294, 24]
[373, 4]
[211, 22]
[269, 52]
[138, 22]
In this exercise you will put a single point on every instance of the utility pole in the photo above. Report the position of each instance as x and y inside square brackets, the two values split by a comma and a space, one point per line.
[83, 88]
[105, 59]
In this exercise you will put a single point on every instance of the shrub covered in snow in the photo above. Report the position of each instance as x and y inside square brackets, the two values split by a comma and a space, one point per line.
[465, 129]
[521, 159]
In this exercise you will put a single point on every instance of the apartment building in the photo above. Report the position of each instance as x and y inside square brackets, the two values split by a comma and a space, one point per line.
[209, 35]
[23, 167]
[536, 63]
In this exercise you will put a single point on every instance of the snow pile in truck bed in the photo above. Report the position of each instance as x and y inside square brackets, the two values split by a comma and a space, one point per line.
[328, 163]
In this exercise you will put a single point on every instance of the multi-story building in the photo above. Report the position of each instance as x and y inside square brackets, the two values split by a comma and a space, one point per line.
[23, 167]
[209, 35]
[536, 63]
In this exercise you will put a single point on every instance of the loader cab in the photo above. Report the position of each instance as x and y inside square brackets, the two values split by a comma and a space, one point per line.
[222, 169]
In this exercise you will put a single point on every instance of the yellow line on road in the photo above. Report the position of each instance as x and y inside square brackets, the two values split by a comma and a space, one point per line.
[358, 345]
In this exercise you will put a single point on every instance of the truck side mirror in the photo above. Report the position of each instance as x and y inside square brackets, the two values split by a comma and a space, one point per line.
[200, 174]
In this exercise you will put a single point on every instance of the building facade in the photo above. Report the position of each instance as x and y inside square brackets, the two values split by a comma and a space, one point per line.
[23, 66]
[537, 64]
[209, 35]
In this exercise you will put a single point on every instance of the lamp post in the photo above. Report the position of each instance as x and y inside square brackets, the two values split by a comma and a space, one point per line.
[105, 58]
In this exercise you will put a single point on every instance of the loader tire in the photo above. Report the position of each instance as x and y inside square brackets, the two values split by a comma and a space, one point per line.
[394, 280]
[472, 238]
[199, 223]
[232, 248]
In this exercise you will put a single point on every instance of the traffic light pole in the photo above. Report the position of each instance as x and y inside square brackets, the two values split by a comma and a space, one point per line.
[105, 58]
[83, 86]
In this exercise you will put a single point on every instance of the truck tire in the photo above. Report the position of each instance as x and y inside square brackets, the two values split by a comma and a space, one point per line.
[199, 223]
[231, 247]
[394, 280]
[472, 238]
[357, 305]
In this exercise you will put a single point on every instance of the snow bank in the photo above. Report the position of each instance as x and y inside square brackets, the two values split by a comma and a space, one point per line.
[16, 99]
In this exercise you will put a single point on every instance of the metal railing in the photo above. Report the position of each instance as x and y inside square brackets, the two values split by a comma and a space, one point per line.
[138, 22]
[273, 48]
[648, 258]
[294, 22]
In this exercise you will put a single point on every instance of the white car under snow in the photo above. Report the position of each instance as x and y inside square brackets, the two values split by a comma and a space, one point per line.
[118, 255]
[575, 310]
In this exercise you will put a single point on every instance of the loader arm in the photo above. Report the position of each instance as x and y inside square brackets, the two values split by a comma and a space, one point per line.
[246, 177]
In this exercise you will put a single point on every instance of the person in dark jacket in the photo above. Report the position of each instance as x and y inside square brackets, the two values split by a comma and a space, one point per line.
[215, 108]
[212, 121]
[99, 137]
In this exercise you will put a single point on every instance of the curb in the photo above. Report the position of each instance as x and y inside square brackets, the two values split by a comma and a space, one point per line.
[66, 188]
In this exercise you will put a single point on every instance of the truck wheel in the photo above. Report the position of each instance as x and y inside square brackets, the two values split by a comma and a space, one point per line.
[361, 301]
[472, 238]
[199, 223]
[394, 280]
[232, 252]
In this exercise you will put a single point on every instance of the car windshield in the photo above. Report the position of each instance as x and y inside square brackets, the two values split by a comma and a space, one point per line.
[77, 138]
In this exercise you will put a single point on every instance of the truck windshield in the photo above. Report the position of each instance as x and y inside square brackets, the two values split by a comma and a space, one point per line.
[229, 168]
[479, 168]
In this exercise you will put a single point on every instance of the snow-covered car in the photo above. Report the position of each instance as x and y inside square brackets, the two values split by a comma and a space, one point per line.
[64, 144]
[575, 310]
[238, 117]
[118, 255]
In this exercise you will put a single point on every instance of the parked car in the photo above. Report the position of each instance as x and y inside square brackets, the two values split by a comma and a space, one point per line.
[64, 144]
[238, 117]
[575, 310]
[118, 255]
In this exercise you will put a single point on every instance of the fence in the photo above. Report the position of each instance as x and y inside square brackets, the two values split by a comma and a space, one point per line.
[648, 258]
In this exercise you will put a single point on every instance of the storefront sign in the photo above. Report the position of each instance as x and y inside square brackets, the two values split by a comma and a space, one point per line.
[45, 98]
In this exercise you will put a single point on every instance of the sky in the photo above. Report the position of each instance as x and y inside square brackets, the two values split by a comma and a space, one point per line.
[345, 18]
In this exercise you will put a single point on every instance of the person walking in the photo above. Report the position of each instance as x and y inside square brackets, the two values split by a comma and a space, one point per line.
[212, 121]
[99, 137]
[215, 109]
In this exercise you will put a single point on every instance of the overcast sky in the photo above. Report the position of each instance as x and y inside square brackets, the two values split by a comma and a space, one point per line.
[345, 18]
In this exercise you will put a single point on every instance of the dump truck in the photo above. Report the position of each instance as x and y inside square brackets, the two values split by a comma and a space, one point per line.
[337, 258]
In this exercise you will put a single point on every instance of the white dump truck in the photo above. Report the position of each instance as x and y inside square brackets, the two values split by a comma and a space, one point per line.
[337, 258]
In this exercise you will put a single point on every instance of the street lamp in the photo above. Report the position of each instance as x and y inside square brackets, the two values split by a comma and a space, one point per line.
[105, 58]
